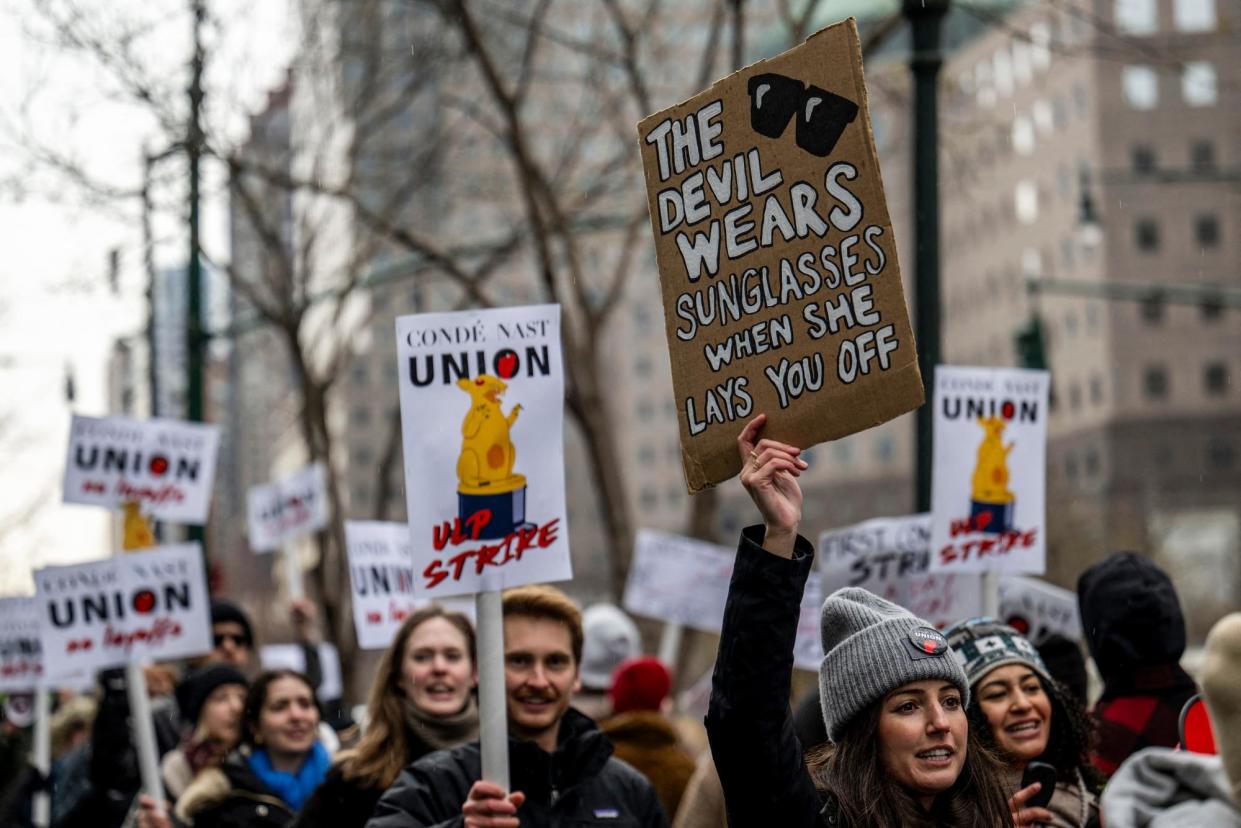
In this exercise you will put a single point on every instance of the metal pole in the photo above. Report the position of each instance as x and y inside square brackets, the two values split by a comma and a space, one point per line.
[492, 702]
[41, 807]
[924, 18]
[194, 275]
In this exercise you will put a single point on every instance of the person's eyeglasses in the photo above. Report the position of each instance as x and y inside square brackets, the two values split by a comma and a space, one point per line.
[238, 640]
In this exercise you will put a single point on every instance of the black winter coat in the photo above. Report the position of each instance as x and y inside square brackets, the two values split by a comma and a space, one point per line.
[581, 784]
[346, 803]
[756, 751]
[239, 800]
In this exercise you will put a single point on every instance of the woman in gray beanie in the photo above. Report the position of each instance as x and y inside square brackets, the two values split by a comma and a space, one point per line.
[1024, 715]
[893, 695]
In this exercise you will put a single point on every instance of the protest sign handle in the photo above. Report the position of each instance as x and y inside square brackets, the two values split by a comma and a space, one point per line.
[492, 715]
[293, 571]
[990, 581]
[670, 644]
[41, 807]
[143, 731]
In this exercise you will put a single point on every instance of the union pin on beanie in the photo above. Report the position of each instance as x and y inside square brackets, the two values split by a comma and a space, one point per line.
[983, 644]
[872, 647]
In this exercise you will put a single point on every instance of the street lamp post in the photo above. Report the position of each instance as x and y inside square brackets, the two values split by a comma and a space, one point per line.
[925, 18]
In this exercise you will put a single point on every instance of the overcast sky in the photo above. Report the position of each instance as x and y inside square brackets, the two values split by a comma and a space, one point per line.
[56, 311]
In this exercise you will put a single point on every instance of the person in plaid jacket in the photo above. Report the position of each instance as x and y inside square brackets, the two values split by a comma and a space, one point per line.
[1136, 633]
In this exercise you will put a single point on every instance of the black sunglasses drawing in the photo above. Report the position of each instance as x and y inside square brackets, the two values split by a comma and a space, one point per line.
[821, 115]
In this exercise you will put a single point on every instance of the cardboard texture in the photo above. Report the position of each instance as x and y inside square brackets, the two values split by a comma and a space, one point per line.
[777, 262]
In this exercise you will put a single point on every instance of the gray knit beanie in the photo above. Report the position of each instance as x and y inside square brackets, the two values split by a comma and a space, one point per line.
[871, 647]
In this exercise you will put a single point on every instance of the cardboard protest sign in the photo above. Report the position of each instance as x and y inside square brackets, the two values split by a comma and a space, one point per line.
[482, 421]
[988, 477]
[808, 648]
[288, 508]
[111, 612]
[679, 580]
[21, 659]
[891, 557]
[381, 572]
[166, 465]
[1038, 609]
[782, 293]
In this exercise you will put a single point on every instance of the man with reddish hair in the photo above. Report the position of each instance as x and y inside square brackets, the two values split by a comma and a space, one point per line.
[562, 769]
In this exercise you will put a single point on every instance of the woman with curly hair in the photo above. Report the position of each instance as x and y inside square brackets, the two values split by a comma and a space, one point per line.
[422, 700]
[1024, 715]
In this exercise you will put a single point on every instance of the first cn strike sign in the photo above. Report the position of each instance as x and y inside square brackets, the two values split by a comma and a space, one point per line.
[167, 466]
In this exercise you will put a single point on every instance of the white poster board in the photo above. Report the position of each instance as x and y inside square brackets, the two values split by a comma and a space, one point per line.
[287, 509]
[1038, 609]
[808, 648]
[680, 580]
[891, 558]
[293, 657]
[381, 575]
[21, 658]
[108, 613]
[167, 466]
[482, 422]
[989, 470]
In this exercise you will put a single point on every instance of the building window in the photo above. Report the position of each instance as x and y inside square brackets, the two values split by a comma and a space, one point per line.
[1040, 45]
[1206, 230]
[1215, 379]
[1092, 463]
[1066, 253]
[1044, 120]
[1141, 87]
[884, 449]
[361, 416]
[1096, 390]
[646, 455]
[1070, 467]
[1023, 135]
[1146, 235]
[1143, 158]
[1025, 202]
[1003, 64]
[1212, 309]
[642, 366]
[1152, 311]
[645, 411]
[1202, 156]
[1075, 397]
[358, 374]
[1155, 381]
[1221, 454]
[1137, 17]
[1022, 70]
[1194, 15]
[1079, 99]
[1198, 83]
[649, 498]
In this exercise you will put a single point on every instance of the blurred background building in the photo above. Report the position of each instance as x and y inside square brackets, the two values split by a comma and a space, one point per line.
[1091, 214]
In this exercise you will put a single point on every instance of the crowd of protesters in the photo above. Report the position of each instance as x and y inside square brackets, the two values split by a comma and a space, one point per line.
[974, 725]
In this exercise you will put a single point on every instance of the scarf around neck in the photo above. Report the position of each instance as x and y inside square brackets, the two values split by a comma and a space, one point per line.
[440, 732]
[292, 788]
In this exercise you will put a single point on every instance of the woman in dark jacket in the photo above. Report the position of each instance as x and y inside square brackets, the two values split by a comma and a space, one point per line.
[1023, 715]
[267, 780]
[893, 694]
[422, 701]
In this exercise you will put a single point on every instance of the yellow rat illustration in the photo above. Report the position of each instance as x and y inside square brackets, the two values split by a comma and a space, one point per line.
[990, 481]
[487, 451]
[137, 529]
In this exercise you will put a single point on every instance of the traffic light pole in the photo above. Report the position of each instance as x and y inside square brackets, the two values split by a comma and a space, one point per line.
[925, 17]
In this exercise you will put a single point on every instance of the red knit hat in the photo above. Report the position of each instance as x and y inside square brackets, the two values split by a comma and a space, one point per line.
[639, 684]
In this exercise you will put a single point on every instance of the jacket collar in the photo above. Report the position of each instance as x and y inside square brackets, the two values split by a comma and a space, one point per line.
[581, 752]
